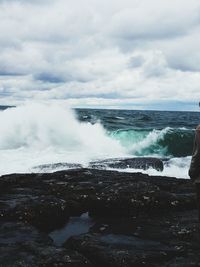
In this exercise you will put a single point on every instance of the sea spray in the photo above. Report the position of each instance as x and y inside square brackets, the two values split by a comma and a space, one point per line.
[176, 167]
[37, 134]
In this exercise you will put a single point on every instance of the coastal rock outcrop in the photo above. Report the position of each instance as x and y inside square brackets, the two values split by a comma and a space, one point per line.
[137, 219]
[143, 163]
[21, 245]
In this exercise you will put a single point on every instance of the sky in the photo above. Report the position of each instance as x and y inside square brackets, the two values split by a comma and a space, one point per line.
[129, 54]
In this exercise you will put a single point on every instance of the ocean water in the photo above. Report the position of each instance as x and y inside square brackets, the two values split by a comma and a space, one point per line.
[36, 134]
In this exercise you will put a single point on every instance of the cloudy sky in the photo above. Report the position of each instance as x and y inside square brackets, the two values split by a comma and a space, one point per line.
[98, 53]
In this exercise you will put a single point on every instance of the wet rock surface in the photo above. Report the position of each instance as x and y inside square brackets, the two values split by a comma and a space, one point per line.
[133, 163]
[114, 163]
[137, 220]
[122, 250]
[21, 245]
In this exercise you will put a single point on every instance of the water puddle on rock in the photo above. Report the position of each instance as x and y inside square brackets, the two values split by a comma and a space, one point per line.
[75, 226]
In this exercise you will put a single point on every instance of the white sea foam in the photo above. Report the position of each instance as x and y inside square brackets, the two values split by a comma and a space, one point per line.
[38, 134]
[176, 167]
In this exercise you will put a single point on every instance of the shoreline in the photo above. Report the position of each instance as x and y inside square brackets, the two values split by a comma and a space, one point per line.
[134, 219]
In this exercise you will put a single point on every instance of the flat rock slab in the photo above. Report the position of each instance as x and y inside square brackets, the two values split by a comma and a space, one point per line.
[48, 200]
[138, 220]
[120, 250]
[116, 163]
[164, 240]
[23, 246]
[54, 166]
[143, 163]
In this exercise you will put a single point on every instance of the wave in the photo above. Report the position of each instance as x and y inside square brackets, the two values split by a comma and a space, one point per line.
[35, 134]
[173, 142]
[176, 167]
[43, 126]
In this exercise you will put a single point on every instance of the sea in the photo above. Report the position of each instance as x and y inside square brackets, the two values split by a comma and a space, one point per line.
[33, 135]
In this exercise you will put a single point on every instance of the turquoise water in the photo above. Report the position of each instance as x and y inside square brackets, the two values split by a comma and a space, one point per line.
[34, 135]
[144, 133]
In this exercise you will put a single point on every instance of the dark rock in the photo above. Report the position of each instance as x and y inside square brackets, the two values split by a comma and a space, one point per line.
[120, 250]
[23, 246]
[54, 166]
[17, 232]
[69, 193]
[46, 213]
[142, 241]
[118, 163]
[133, 163]
[174, 228]
[54, 257]
[139, 220]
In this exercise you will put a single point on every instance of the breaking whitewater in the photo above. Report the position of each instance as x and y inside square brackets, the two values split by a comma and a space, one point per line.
[36, 135]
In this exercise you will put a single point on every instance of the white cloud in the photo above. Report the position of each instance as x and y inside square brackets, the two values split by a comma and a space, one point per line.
[154, 20]
[98, 52]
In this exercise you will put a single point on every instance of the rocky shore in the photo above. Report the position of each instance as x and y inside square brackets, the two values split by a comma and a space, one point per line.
[121, 219]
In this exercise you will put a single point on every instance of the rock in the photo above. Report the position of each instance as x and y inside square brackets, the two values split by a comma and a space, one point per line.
[17, 232]
[53, 257]
[131, 213]
[47, 200]
[23, 246]
[54, 166]
[118, 163]
[164, 240]
[46, 213]
[133, 163]
[119, 250]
